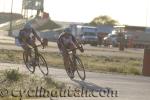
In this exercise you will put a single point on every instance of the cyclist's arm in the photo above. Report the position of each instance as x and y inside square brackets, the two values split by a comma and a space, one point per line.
[60, 43]
[75, 41]
[79, 46]
[35, 34]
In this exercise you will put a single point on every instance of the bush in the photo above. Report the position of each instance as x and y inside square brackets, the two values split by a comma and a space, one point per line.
[134, 71]
[12, 75]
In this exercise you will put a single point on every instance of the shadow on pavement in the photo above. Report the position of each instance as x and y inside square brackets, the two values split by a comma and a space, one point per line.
[90, 86]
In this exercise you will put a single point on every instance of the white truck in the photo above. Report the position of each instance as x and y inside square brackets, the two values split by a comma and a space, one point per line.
[85, 34]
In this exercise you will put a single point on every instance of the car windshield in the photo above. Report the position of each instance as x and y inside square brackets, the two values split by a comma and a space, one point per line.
[114, 36]
[89, 34]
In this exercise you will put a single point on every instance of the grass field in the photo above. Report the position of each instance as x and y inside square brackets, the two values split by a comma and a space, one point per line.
[125, 65]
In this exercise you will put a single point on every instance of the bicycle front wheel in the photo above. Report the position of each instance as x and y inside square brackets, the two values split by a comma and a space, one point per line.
[43, 65]
[69, 69]
[80, 68]
[28, 62]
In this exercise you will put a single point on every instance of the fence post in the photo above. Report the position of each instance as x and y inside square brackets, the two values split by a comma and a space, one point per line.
[146, 62]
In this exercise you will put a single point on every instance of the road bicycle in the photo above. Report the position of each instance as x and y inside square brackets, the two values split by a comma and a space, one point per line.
[75, 65]
[33, 59]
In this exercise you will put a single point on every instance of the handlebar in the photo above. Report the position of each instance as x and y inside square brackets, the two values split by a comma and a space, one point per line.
[36, 46]
[80, 46]
[40, 45]
[68, 50]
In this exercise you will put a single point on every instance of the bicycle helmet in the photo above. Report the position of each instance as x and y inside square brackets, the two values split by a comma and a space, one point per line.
[67, 30]
[28, 25]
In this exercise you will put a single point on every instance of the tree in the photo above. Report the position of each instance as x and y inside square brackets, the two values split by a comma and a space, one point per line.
[103, 20]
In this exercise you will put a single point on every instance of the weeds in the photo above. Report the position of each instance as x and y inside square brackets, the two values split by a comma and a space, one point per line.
[12, 75]
[24, 82]
[50, 82]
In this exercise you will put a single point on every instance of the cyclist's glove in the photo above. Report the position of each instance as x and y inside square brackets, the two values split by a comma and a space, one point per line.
[81, 49]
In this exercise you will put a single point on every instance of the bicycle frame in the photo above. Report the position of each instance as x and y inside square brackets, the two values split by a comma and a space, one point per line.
[74, 66]
[37, 57]
[36, 52]
[70, 51]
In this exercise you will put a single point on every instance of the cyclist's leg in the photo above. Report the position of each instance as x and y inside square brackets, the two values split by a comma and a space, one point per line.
[72, 46]
[67, 65]
[65, 59]
[27, 50]
[74, 60]
[32, 43]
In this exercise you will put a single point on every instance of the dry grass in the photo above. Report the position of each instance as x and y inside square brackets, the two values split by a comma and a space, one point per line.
[12, 80]
[126, 65]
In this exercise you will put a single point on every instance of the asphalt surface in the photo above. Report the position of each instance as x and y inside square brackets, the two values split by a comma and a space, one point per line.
[122, 87]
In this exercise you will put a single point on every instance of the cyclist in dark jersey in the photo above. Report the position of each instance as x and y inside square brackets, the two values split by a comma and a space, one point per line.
[67, 41]
[27, 37]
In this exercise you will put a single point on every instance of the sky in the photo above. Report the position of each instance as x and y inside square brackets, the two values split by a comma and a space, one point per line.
[129, 12]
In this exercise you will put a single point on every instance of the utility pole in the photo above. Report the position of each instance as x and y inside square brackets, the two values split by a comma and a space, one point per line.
[10, 28]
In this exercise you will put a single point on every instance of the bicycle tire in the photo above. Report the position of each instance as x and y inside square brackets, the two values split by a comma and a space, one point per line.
[79, 65]
[69, 69]
[29, 67]
[45, 70]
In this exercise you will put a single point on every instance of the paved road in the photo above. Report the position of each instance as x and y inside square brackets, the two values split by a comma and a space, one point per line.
[127, 87]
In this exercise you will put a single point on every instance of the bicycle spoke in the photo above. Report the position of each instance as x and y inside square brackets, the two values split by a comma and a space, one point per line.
[69, 70]
[80, 68]
[28, 62]
[43, 65]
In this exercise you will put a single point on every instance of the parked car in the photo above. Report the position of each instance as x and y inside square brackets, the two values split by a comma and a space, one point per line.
[111, 39]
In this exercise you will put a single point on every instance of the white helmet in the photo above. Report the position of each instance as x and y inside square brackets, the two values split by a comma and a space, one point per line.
[28, 25]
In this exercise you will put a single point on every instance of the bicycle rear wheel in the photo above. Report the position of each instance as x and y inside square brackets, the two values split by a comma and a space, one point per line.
[80, 68]
[28, 62]
[43, 65]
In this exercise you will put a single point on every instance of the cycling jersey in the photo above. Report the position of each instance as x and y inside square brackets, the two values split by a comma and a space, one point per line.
[25, 36]
[66, 41]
